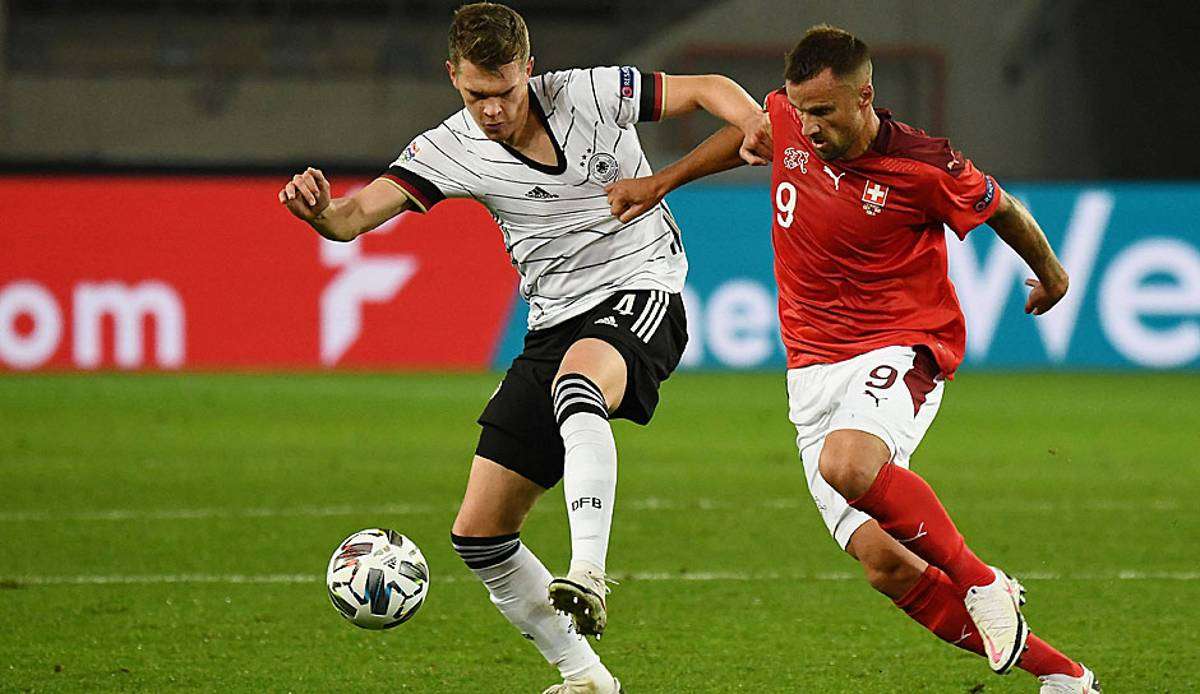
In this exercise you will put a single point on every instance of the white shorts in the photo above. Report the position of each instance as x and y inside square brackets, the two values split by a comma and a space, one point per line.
[892, 392]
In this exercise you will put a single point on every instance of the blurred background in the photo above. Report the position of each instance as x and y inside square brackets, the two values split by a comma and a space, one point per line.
[186, 428]
[1036, 89]
[142, 140]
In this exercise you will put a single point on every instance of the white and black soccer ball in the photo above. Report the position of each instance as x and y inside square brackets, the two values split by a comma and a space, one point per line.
[377, 578]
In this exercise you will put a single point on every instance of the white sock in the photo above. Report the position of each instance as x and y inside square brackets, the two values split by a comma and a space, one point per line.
[516, 581]
[589, 468]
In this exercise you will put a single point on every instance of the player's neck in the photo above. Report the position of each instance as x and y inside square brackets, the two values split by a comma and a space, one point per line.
[525, 134]
[865, 137]
[533, 139]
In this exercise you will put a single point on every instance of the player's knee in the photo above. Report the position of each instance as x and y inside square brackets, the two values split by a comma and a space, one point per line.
[468, 524]
[849, 465]
[849, 476]
[833, 470]
[463, 527]
[600, 363]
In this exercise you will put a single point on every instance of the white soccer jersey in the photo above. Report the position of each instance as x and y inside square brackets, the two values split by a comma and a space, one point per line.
[570, 252]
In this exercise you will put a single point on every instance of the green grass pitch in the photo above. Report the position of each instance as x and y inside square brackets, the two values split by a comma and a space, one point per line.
[170, 532]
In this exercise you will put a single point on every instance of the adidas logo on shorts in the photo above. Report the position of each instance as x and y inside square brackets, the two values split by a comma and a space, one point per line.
[540, 193]
[607, 320]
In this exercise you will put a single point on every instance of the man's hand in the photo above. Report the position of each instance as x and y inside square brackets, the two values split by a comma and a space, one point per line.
[631, 197]
[306, 195]
[1017, 228]
[757, 148]
[1042, 298]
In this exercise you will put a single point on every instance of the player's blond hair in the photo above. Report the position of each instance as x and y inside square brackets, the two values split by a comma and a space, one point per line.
[489, 35]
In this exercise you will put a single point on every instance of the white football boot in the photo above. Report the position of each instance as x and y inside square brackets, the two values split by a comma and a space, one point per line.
[581, 596]
[1065, 684]
[586, 686]
[996, 611]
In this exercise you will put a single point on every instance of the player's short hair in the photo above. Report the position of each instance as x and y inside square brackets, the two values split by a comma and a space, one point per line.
[489, 35]
[825, 46]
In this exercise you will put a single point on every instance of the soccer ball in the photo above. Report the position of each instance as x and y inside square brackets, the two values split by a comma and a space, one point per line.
[377, 578]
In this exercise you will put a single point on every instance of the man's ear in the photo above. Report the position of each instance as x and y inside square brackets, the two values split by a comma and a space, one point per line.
[529, 67]
[866, 95]
[450, 71]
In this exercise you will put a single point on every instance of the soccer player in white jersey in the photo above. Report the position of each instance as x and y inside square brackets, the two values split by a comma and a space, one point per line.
[606, 322]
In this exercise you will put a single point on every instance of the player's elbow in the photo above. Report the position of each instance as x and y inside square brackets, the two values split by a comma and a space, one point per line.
[725, 86]
[700, 91]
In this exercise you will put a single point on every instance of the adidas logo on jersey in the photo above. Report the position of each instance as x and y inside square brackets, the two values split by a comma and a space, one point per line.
[607, 320]
[540, 193]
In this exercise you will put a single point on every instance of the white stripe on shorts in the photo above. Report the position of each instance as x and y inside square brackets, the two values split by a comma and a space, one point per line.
[647, 311]
[652, 326]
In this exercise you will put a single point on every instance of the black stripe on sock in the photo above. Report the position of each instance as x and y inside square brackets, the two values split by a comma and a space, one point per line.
[482, 552]
[482, 541]
[579, 382]
[568, 391]
[576, 393]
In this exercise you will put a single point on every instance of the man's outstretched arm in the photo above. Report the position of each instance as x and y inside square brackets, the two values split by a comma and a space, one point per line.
[342, 219]
[631, 197]
[1017, 228]
[725, 99]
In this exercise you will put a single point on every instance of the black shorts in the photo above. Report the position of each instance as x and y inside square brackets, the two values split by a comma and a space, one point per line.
[648, 328]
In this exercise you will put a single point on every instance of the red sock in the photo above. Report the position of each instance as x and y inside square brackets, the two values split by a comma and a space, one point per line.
[935, 603]
[1041, 658]
[908, 510]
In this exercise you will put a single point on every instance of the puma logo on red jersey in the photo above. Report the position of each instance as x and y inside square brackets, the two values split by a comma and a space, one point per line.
[837, 179]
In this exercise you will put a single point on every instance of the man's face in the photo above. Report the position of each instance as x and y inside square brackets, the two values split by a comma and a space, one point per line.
[498, 101]
[832, 111]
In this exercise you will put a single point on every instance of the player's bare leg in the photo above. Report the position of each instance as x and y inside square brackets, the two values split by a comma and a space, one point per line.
[486, 535]
[496, 501]
[589, 385]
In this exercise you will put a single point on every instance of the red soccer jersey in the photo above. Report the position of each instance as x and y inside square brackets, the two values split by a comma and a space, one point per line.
[860, 250]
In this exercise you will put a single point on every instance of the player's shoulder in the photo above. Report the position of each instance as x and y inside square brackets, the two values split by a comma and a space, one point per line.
[450, 139]
[453, 133]
[912, 148]
[775, 99]
[597, 84]
[551, 84]
[560, 87]
[562, 83]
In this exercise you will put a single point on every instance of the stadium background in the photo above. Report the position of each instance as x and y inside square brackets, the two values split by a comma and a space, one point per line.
[141, 147]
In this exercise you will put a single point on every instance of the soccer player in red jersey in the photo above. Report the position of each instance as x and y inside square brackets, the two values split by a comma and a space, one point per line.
[873, 330]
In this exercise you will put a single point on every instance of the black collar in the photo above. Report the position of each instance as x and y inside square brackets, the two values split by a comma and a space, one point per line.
[561, 166]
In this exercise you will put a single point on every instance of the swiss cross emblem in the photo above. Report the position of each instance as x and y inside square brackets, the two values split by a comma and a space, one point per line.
[874, 197]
